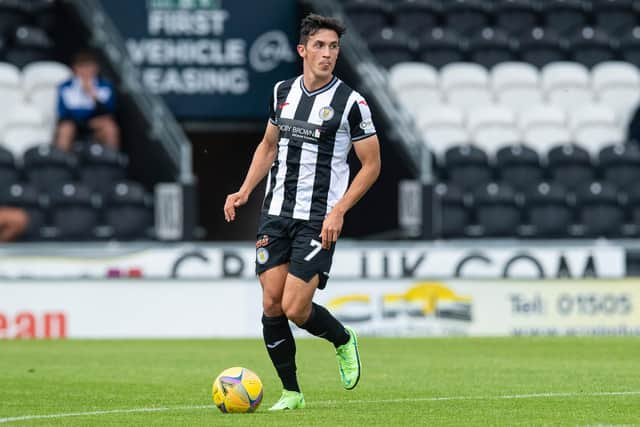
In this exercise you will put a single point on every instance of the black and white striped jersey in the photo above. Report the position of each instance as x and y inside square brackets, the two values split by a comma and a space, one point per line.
[310, 173]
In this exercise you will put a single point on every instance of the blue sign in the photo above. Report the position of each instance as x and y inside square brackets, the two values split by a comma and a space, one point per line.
[211, 59]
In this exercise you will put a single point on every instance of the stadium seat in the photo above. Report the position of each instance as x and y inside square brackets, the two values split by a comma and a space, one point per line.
[367, 15]
[29, 44]
[620, 165]
[466, 16]
[492, 127]
[454, 215]
[540, 47]
[570, 166]
[590, 47]
[629, 47]
[23, 129]
[440, 47]
[10, 87]
[26, 197]
[566, 84]
[490, 47]
[544, 126]
[74, 212]
[564, 16]
[40, 82]
[519, 167]
[12, 15]
[617, 84]
[594, 126]
[467, 167]
[599, 209]
[465, 84]
[442, 126]
[390, 47]
[632, 228]
[127, 210]
[496, 210]
[415, 84]
[102, 167]
[46, 167]
[616, 17]
[516, 85]
[416, 17]
[548, 212]
[515, 16]
[8, 173]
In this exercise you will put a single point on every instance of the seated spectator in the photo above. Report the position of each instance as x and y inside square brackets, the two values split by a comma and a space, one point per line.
[13, 223]
[86, 105]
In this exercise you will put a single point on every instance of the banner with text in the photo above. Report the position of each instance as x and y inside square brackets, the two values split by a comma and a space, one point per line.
[210, 58]
[189, 309]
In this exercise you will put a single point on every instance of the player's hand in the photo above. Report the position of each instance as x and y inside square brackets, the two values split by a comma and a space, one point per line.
[331, 228]
[88, 87]
[233, 201]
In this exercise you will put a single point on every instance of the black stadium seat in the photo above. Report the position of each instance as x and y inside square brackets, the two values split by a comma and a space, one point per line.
[102, 167]
[417, 17]
[490, 47]
[466, 16]
[599, 209]
[540, 47]
[564, 16]
[127, 210]
[8, 172]
[467, 166]
[12, 15]
[548, 211]
[496, 210]
[589, 47]
[74, 212]
[620, 165]
[29, 44]
[47, 167]
[570, 165]
[519, 166]
[454, 214]
[367, 15]
[629, 47]
[516, 16]
[27, 198]
[391, 46]
[614, 16]
[440, 47]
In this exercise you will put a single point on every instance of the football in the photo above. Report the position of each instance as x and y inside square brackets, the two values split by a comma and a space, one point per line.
[237, 390]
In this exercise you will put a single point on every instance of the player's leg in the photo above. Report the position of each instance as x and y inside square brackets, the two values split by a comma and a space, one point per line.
[65, 134]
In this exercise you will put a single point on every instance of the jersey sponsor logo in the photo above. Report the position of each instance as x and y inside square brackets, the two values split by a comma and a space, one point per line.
[262, 255]
[326, 113]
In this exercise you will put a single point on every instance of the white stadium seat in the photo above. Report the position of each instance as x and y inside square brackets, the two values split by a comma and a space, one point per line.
[24, 128]
[465, 84]
[566, 84]
[415, 85]
[516, 85]
[544, 126]
[442, 126]
[491, 127]
[40, 81]
[617, 84]
[10, 88]
[594, 126]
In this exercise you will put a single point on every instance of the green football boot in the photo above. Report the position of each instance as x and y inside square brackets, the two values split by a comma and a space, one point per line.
[349, 361]
[289, 400]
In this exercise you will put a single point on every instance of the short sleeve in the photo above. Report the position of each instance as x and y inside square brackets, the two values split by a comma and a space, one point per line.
[360, 123]
[272, 105]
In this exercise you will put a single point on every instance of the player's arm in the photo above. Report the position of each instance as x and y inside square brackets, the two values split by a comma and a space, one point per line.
[263, 158]
[368, 152]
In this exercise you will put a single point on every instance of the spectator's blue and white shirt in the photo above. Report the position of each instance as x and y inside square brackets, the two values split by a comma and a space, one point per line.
[75, 104]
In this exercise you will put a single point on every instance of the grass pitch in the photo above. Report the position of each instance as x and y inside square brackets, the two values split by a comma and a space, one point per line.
[460, 381]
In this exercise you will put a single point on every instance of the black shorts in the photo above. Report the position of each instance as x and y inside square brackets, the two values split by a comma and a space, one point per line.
[297, 242]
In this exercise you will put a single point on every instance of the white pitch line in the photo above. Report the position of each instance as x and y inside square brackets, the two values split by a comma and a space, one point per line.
[329, 402]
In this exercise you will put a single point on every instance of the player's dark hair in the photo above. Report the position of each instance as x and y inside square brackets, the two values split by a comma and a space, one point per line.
[312, 23]
[84, 56]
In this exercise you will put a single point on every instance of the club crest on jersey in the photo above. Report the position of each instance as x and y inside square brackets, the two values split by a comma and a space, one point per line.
[262, 255]
[326, 113]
